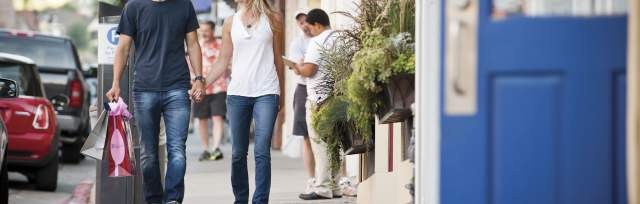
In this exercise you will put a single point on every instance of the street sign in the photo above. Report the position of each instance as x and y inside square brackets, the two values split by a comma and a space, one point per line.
[107, 42]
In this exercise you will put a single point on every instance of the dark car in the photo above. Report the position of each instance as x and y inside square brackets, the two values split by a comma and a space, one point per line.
[31, 124]
[8, 89]
[61, 72]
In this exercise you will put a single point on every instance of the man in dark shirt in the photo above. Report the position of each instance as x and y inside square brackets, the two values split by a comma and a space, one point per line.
[158, 29]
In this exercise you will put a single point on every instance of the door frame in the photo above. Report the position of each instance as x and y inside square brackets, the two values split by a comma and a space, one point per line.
[428, 108]
[633, 104]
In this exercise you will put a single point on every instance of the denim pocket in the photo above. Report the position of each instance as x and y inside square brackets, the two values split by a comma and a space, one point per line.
[177, 99]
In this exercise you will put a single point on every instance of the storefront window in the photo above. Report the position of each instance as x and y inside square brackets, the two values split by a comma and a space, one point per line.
[503, 8]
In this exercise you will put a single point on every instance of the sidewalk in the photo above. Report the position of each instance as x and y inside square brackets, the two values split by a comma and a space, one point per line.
[209, 181]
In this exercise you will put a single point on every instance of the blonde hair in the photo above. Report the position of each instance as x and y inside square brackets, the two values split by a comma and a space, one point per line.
[259, 7]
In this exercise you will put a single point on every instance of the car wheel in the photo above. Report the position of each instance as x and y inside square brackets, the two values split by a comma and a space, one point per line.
[47, 176]
[4, 182]
[71, 152]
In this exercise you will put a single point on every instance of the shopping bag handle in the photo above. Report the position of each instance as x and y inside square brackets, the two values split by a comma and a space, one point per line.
[106, 106]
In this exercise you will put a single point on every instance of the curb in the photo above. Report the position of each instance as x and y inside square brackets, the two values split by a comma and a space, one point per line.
[81, 194]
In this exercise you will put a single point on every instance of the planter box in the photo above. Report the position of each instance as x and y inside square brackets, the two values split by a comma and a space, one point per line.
[353, 143]
[397, 97]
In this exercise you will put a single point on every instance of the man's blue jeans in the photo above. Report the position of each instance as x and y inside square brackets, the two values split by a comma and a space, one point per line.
[175, 107]
[240, 111]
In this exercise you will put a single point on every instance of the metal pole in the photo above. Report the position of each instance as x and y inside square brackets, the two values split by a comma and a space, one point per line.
[214, 11]
[125, 190]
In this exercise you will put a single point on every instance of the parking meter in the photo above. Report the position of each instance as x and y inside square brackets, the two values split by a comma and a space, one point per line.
[124, 190]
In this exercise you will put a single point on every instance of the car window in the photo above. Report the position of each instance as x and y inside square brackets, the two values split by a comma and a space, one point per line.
[24, 76]
[46, 53]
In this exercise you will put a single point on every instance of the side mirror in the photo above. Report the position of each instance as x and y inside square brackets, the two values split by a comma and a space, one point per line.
[8, 88]
[59, 102]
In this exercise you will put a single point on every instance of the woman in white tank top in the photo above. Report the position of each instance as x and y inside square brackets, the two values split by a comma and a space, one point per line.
[252, 43]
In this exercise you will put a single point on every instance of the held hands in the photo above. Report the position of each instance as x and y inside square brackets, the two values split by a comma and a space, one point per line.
[197, 91]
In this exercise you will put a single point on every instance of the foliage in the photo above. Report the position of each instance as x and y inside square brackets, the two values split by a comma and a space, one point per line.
[328, 121]
[401, 48]
[112, 2]
[80, 35]
[362, 85]
[336, 62]
[69, 7]
[356, 68]
[401, 16]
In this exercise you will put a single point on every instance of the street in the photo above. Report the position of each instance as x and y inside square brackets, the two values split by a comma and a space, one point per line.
[210, 181]
[69, 176]
[205, 181]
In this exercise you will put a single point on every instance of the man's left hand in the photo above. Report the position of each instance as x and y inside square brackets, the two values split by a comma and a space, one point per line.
[197, 91]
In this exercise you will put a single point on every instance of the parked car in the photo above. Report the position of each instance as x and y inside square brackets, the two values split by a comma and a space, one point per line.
[61, 73]
[33, 132]
[8, 89]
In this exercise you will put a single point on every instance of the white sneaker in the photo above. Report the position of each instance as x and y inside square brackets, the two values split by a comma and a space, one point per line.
[348, 188]
[309, 186]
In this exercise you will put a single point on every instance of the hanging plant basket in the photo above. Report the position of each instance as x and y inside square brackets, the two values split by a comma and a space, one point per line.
[397, 97]
[354, 143]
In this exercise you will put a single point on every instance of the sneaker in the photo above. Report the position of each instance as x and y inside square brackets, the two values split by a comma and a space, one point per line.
[309, 185]
[204, 156]
[216, 155]
[173, 202]
[347, 187]
[336, 191]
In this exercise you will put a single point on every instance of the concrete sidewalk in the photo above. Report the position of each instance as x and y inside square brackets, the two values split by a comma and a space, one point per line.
[210, 181]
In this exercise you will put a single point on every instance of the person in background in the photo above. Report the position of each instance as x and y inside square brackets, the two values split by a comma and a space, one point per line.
[317, 21]
[213, 106]
[252, 43]
[296, 52]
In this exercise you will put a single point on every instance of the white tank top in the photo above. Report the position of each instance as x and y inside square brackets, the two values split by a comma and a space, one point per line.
[253, 72]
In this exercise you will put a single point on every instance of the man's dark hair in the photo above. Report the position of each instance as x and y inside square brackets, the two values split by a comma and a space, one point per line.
[211, 24]
[300, 15]
[318, 16]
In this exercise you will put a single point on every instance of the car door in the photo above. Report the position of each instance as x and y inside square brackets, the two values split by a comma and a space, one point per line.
[534, 95]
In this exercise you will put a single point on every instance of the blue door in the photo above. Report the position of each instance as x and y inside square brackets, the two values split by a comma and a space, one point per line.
[533, 106]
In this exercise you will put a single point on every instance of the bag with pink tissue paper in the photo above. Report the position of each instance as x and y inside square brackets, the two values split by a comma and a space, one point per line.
[118, 143]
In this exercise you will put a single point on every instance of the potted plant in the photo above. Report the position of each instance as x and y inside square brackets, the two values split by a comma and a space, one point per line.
[369, 71]
[398, 93]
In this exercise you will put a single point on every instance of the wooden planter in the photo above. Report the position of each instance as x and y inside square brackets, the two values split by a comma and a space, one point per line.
[397, 97]
[353, 143]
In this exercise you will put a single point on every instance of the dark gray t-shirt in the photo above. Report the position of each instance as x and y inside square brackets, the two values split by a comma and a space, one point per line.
[159, 30]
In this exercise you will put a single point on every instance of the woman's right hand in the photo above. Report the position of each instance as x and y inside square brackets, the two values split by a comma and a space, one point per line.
[113, 94]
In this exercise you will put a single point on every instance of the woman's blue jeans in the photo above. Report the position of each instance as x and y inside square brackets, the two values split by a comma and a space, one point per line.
[240, 111]
[175, 107]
